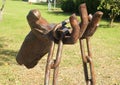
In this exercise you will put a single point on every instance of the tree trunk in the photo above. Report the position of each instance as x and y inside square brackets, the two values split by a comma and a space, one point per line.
[0, 15]
[112, 20]
[1, 9]
[54, 4]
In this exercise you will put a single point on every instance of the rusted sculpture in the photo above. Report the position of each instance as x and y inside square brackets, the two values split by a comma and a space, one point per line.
[43, 37]
[90, 30]
[64, 39]
[88, 26]
[39, 40]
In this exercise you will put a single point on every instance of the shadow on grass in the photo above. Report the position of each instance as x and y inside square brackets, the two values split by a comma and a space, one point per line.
[6, 56]
[107, 23]
[8, 52]
[104, 26]
[58, 12]
[41, 3]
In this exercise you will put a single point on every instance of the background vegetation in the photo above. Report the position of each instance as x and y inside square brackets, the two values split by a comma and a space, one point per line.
[113, 8]
[109, 7]
[13, 29]
[72, 5]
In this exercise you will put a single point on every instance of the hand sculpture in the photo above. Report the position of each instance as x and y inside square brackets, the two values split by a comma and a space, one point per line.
[38, 42]
[43, 36]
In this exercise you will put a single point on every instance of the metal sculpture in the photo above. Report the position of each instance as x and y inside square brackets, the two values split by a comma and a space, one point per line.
[88, 27]
[40, 39]
[63, 39]
[43, 37]
[37, 43]
[92, 24]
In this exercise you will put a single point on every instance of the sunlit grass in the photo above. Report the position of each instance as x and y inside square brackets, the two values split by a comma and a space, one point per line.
[13, 29]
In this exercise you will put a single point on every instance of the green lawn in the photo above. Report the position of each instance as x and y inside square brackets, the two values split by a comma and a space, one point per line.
[13, 29]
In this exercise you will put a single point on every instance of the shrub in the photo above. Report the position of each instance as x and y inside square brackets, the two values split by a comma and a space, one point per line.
[113, 6]
[68, 6]
[72, 5]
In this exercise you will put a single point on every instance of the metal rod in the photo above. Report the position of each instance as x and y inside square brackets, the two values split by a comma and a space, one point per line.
[92, 72]
[49, 63]
[84, 18]
[53, 64]
[57, 62]
[84, 60]
[87, 59]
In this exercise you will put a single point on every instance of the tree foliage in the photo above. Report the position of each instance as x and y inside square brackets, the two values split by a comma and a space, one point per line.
[68, 5]
[113, 6]
[72, 5]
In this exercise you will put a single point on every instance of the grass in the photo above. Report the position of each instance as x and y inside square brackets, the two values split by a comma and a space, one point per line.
[13, 29]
